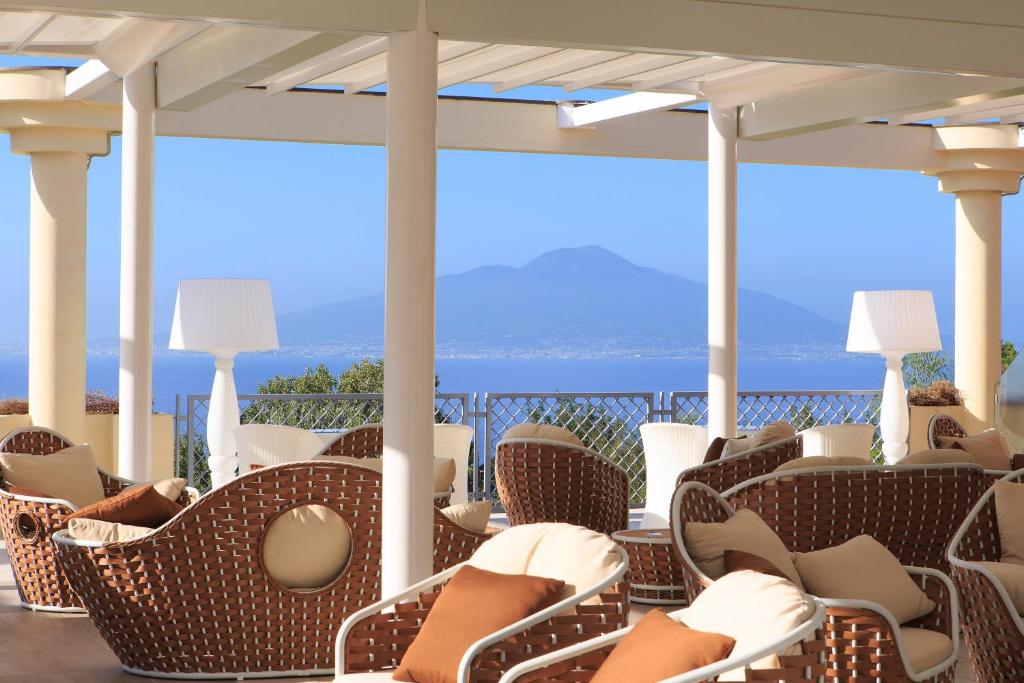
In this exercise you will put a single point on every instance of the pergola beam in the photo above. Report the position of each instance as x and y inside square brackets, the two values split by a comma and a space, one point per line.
[868, 98]
[352, 52]
[588, 115]
[88, 79]
[223, 59]
[138, 41]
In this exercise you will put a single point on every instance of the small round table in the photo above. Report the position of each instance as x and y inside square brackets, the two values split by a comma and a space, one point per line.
[655, 575]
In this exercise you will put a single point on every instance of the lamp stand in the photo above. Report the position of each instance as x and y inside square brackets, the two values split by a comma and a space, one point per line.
[221, 421]
[894, 420]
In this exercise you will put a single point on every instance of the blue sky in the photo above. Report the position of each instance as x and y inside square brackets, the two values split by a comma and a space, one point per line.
[311, 219]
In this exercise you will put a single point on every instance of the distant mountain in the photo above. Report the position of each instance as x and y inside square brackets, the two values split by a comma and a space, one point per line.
[581, 302]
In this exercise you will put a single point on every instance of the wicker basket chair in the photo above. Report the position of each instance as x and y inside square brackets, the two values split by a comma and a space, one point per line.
[579, 663]
[552, 481]
[193, 598]
[913, 510]
[993, 629]
[372, 642]
[862, 639]
[28, 523]
[941, 425]
[725, 473]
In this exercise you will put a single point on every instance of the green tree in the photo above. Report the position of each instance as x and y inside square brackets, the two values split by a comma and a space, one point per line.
[1009, 351]
[921, 369]
[318, 380]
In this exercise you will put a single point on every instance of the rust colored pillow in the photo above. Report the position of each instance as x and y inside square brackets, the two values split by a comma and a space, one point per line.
[714, 451]
[457, 620]
[24, 491]
[738, 560]
[142, 506]
[659, 647]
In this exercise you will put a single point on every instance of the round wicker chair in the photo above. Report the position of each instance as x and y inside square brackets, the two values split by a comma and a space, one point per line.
[993, 629]
[551, 481]
[861, 639]
[727, 472]
[28, 523]
[193, 599]
[946, 425]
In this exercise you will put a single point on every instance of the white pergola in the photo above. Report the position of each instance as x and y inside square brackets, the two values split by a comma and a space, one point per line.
[806, 83]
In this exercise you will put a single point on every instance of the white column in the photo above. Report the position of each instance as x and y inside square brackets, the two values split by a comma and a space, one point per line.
[135, 378]
[722, 321]
[409, 308]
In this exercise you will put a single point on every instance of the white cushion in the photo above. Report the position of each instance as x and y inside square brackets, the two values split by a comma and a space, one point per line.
[925, 648]
[580, 557]
[69, 474]
[751, 607]
[84, 529]
[306, 547]
[548, 432]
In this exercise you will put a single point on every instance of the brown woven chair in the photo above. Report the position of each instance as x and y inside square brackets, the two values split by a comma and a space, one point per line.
[941, 425]
[861, 639]
[376, 638]
[727, 472]
[28, 523]
[551, 481]
[993, 630]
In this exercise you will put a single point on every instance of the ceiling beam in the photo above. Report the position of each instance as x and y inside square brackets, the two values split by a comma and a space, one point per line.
[571, 115]
[963, 109]
[690, 69]
[487, 61]
[225, 58]
[88, 79]
[551, 66]
[352, 52]
[31, 30]
[137, 41]
[375, 71]
[622, 67]
[732, 88]
[867, 98]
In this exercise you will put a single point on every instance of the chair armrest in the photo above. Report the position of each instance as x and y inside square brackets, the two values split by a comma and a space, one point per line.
[939, 588]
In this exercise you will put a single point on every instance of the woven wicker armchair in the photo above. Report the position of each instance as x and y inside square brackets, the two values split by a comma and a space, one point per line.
[861, 638]
[946, 425]
[372, 642]
[726, 472]
[28, 523]
[551, 481]
[580, 662]
[993, 630]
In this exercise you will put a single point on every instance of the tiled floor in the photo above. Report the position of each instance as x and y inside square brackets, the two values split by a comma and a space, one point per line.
[37, 647]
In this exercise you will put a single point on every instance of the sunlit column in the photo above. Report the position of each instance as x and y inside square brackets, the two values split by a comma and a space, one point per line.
[409, 308]
[722, 321]
[135, 377]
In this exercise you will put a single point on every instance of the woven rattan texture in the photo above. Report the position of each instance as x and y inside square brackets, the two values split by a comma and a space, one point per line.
[540, 481]
[366, 441]
[454, 544]
[194, 597]
[653, 564]
[725, 473]
[994, 641]
[378, 642]
[943, 425]
[859, 643]
[914, 512]
[28, 525]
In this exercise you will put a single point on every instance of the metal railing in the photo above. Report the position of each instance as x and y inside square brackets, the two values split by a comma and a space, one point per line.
[609, 423]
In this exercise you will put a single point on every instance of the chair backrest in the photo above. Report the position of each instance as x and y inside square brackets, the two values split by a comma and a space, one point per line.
[725, 473]
[454, 442]
[35, 441]
[669, 448]
[547, 432]
[943, 425]
[839, 440]
[549, 481]
[265, 445]
[364, 441]
[913, 510]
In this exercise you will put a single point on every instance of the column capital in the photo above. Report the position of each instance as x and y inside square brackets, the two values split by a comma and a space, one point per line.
[978, 158]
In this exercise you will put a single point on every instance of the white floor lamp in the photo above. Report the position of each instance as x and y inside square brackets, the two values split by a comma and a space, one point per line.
[893, 324]
[223, 317]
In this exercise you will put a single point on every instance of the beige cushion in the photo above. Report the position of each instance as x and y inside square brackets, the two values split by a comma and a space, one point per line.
[751, 607]
[707, 542]
[821, 462]
[306, 547]
[939, 456]
[776, 431]
[580, 557]
[988, 448]
[925, 648]
[736, 446]
[168, 488]
[532, 430]
[69, 474]
[85, 529]
[473, 516]
[444, 468]
[863, 569]
[1009, 498]
[1012, 577]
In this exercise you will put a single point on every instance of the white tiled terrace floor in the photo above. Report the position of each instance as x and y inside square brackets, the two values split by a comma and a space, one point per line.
[38, 647]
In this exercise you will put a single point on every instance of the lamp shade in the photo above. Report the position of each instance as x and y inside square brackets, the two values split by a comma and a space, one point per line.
[893, 321]
[224, 316]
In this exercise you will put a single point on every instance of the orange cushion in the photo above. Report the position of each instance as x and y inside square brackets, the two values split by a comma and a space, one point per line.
[738, 560]
[142, 506]
[714, 451]
[456, 619]
[659, 647]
